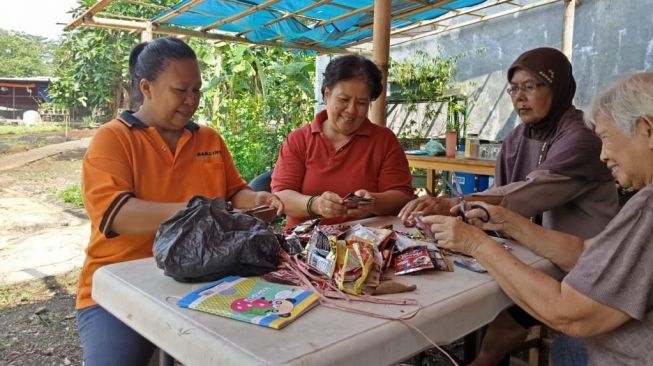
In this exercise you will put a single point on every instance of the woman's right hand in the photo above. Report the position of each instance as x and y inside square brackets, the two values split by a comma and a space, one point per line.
[498, 220]
[329, 205]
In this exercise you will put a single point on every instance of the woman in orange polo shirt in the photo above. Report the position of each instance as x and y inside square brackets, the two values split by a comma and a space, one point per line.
[342, 152]
[139, 170]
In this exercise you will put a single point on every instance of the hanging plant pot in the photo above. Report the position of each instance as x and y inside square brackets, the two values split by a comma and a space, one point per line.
[450, 143]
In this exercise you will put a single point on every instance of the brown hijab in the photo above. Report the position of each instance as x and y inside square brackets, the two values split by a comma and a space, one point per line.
[560, 142]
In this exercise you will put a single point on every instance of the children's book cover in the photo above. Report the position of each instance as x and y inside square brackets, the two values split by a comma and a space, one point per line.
[252, 300]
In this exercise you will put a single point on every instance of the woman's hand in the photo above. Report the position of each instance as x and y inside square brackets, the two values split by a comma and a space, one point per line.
[270, 200]
[362, 210]
[498, 220]
[426, 205]
[329, 205]
[453, 234]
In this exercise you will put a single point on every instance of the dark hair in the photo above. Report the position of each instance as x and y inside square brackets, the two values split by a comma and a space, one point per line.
[353, 66]
[148, 59]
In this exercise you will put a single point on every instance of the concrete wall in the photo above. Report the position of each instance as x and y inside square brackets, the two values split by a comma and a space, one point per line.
[611, 38]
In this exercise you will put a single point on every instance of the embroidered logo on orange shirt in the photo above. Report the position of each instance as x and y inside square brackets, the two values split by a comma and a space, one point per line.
[209, 154]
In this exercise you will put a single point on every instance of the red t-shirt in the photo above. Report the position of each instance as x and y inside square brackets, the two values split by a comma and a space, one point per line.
[373, 160]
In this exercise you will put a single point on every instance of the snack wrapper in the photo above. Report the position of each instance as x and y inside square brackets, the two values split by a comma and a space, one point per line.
[354, 262]
[305, 227]
[321, 253]
[373, 236]
[353, 201]
[413, 260]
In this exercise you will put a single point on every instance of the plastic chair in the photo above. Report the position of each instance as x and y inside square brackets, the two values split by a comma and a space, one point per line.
[262, 182]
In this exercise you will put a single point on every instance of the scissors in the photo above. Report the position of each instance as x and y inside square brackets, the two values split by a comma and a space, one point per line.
[463, 205]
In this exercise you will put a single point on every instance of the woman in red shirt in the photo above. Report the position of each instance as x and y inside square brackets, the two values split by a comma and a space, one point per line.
[342, 152]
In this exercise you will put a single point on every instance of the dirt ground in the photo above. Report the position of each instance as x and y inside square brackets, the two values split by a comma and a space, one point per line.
[12, 143]
[37, 316]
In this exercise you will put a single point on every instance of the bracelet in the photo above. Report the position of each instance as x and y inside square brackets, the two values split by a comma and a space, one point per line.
[309, 210]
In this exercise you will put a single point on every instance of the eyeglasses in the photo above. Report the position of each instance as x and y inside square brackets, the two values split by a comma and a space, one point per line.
[527, 88]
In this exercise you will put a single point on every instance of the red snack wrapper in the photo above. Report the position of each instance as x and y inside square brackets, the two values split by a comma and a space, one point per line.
[413, 260]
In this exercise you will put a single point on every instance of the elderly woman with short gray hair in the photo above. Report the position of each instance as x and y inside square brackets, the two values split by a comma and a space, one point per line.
[606, 297]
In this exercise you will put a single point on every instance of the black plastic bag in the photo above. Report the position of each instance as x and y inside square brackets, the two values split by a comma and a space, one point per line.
[205, 242]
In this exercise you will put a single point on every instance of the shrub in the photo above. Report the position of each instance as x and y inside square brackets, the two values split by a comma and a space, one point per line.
[73, 195]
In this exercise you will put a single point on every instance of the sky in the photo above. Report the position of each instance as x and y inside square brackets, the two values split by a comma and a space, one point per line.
[36, 17]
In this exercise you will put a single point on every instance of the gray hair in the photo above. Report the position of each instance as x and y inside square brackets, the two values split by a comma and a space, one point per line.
[624, 102]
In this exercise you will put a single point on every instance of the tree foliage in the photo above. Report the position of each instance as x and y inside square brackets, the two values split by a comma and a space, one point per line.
[92, 64]
[24, 55]
[255, 96]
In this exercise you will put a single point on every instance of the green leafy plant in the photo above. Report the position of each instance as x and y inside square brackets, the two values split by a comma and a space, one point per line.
[92, 64]
[255, 96]
[427, 86]
[72, 194]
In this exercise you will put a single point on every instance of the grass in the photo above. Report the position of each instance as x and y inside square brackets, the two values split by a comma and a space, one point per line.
[73, 195]
[7, 129]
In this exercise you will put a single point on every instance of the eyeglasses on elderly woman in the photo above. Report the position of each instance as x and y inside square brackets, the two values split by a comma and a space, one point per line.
[527, 87]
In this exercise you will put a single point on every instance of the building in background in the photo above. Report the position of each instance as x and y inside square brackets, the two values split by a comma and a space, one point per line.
[18, 95]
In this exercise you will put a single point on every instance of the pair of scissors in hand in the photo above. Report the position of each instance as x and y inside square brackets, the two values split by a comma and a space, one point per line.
[463, 205]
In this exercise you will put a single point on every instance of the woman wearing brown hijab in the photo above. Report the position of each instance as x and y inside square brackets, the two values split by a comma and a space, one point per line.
[548, 170]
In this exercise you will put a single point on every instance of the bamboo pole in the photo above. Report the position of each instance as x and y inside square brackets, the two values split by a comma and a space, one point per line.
[568, 28]
[485, 18]
[381, 48]
[175, 12]
[146, 34]
[101, 4]
[170, 30]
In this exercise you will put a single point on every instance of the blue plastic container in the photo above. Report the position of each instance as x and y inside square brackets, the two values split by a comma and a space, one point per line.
[467, 182]
[483, 182]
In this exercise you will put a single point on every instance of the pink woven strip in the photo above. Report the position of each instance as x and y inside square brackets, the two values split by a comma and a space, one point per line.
[300, 269]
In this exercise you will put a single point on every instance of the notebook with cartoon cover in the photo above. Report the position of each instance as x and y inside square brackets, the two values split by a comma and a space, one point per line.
[252, 300]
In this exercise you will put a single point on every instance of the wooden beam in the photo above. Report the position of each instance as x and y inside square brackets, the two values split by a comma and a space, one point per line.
[568, 28]
[346, 15]
[175, 12]
[381, 49]
[239, 15]
[118, 16]
[485, 18]
[99, 5]
[437, 20]
[176, 31]
[147, 34]
[141, 3]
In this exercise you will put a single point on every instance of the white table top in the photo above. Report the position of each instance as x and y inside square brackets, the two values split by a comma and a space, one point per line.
[453, 304]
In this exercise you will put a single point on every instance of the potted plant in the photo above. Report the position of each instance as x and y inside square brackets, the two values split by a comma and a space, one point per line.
[456, 125]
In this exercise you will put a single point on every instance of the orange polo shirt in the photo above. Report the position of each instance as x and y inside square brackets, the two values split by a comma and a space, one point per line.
[372, 160]
[127, 158]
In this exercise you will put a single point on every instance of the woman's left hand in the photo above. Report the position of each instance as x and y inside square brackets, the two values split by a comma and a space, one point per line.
[269, 199]
[453, 234]
[364, 210]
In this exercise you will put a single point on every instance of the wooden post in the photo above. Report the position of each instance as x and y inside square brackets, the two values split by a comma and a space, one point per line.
[13, 102]
[381, 48]
[568, 28]
[146, 35]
